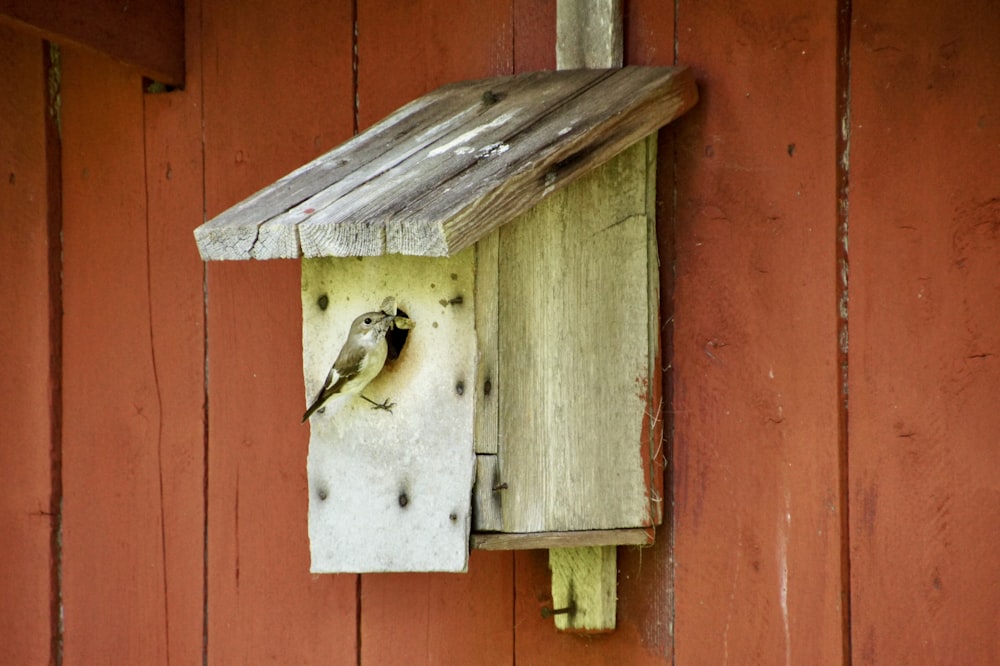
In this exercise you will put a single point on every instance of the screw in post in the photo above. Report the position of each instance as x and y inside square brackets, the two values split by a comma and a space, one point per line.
[549, 612]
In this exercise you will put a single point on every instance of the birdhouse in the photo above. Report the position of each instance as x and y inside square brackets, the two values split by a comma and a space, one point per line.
[511, 221]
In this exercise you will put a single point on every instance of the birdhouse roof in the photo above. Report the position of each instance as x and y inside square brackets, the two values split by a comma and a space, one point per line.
[446, 169]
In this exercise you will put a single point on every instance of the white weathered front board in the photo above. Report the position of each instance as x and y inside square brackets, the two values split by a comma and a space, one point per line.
[390, 491]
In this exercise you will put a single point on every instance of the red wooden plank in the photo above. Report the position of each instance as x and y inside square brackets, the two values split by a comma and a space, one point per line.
[278, 92]
[174, 206]
[407, 49]
[644, 613]
[534, 35]
[635, 641]
[115, 589]
[146, 35]
[26, 421]
[924, 363]
[755, 450]
[404, 51]
[440, 618]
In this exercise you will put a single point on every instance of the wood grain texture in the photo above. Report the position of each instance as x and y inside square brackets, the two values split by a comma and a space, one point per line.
[546, 540]
[534, 35]
[433, 618]
[538, 641]
[589, 35]
[574, 355]
[407, 49]
[390, 491]
[457, 165]
[584, 583]
[755, 451]
[26, 357]
[924, 322]
[440, 618]
[487, 515]
[147, 35]
[174, 204]
[114, 448]
[267, 109]
[488, 381]
[645, 578]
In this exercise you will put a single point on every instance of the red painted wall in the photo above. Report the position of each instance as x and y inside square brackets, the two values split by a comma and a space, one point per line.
[834, 470]
[27, 344]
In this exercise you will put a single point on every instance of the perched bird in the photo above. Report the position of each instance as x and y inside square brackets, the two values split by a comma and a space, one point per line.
[360, 359]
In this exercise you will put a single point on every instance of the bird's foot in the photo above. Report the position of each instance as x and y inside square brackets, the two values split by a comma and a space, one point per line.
[385, 404]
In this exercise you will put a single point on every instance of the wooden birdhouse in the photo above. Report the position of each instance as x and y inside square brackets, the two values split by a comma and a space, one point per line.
[512, 220]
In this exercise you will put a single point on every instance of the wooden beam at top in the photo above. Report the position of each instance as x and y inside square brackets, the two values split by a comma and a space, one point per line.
[146, 35]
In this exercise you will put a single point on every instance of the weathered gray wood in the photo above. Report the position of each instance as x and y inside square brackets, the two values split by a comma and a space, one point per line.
[535, 166]
[238, 233]
[445, 170]
[487, 330]
[428, 174]
[584, 580]
[588, 34]
[543, 540]
[575, 353]
[390, 491]
[486, 495]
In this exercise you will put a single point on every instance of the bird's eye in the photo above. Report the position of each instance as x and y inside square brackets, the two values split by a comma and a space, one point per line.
[368, 320]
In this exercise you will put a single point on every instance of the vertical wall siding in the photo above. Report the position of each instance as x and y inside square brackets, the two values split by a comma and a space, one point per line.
[277, 80]
[755, 450]
[133, 437]
[27, 518]
[184, 497]
[406, 50]
[925, 333]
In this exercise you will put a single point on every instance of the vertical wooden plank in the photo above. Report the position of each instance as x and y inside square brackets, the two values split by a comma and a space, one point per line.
[645, 578]
[582, 254]
[278, 92]
[27, 520]
[538, 641]
[114, 582]
[643, 623]
[589, 34]
[404, 51]
[174, 206]
[407, 49]
[924, 322]
[755, 450]
[488, 381]
[534, 35]
[585, 584]
[440, 618]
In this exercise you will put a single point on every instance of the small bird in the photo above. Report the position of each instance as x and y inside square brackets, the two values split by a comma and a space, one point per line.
[360, 359]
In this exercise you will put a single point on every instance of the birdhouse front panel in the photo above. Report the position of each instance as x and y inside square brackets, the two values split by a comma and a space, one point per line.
[389, 490]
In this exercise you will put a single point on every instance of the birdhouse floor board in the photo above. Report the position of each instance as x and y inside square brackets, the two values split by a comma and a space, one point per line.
[543, 540]
[389, 491]
[447, 169]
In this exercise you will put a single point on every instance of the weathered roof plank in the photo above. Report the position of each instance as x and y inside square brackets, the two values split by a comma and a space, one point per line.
[448, 168]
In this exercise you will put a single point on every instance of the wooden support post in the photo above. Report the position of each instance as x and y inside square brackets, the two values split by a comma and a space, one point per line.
[585, 580]
[584, 588]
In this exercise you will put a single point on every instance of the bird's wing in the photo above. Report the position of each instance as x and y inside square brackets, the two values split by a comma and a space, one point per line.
[348, 366]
